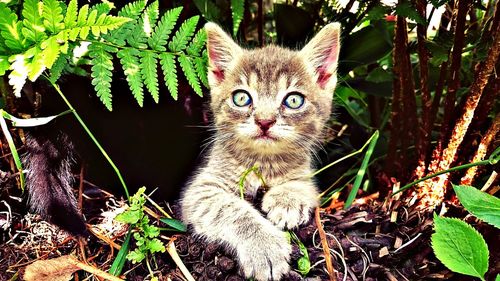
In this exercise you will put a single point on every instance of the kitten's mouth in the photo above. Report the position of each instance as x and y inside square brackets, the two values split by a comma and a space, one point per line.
[265, 137]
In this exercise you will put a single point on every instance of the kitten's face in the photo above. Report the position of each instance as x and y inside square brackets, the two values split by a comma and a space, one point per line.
[272, 100]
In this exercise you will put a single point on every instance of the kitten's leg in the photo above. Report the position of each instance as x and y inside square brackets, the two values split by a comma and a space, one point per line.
[262, 249]
[290, 204]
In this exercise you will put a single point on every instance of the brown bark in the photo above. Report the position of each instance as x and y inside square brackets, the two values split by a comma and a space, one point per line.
[482, 149]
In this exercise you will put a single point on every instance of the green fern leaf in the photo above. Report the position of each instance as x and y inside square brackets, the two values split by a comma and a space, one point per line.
[208, 9]
[11, 29]
[198, 43]
[182, 36]
[167, 62]
[71, 14]
[33, 29]
[159, 38]
[58, 68]
[102, 8]
[4, 64]
[37, 64]
[187, 67]
[132, 69]
[149, 18]
[102, 67]
[149, 73]
[52, 15]
[237, 9]
[200, 65]
[51, 50]
[19, 74]
[82, 15]
[133, 10]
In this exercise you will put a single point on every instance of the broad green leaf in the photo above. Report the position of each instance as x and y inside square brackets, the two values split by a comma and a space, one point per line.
[129, 58]
[175, 224]
[379, 75]
[167, 62]
[183, 34]
[102, 67]
[52, 15]
[460, 247]
[33, 29]
[158, 39]
[149, 73]
[11, 29]
[136, 256]
[237, 9]
[187, 67]
[482, 205]
[155, 245]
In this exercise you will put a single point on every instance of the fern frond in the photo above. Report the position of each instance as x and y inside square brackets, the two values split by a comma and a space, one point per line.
[132, 69]
[198, 43]
[149, 73]
[187, 67]
[102, 67]
[237, 10]
[71, 14]
[52, 15]
[182, 36]
[33, 29]
[11, 29]
[57, 68]
[200, 65]
[137, 38]
[37, 64]
[19, 74]
[51, 50]
[167, 62]
[133, 10]
[102, 8]
[149, 18]
[159, 38]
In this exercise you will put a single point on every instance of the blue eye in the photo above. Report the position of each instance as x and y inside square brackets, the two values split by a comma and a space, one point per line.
[294, 100]
[241, 98]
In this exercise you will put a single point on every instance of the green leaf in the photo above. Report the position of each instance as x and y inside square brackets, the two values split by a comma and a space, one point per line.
[406, 10]
[11, 29]
[379, 75]
[149, 73]
[129, 58]
[208, 9]
[33, 29]
[133, 10]
[155, 245]
[102, 8]
[119, 262]
[237, 9]
[460, 247]
[175, 224]
[57, 68]
[32, 122]
[50, 51]
[191, 76]
[482, 205]
[4, 64]
[71, 14]
[167, 62]
[303, 263]
[198, 43]
[149, 18]
[52, 15]
[19, 73]
[102, 67]
[159, 38]
[200, 65]
[183, 34]
[136, 256]
[130, 216]
[37, 64]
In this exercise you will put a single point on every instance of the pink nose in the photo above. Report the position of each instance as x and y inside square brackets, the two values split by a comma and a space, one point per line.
[265, 124]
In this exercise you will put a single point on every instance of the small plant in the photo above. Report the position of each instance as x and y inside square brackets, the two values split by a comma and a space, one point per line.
[144, 233]
[459, 246]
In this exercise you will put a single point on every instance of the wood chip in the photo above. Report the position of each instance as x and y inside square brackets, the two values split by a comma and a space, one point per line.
[398, 242]
[394, 216]
[383, 252]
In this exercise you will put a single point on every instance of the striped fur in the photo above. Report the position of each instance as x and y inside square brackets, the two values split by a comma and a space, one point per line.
[211, 203]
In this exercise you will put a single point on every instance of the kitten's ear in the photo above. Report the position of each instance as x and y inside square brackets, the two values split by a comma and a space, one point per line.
[322, 53]
[222, 50]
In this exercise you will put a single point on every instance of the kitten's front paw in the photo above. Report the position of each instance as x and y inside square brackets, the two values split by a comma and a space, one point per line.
[288, 210]
[266, 257]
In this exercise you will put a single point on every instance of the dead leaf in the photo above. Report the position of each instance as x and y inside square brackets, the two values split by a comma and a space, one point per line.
[57, 269]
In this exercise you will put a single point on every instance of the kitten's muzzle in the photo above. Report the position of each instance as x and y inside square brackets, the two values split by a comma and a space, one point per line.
[265, 124]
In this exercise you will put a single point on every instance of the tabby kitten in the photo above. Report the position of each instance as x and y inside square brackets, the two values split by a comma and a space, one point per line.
[270, 106]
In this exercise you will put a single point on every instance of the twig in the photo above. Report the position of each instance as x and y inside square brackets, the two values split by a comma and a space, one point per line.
[326, 249]
[93, 270]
